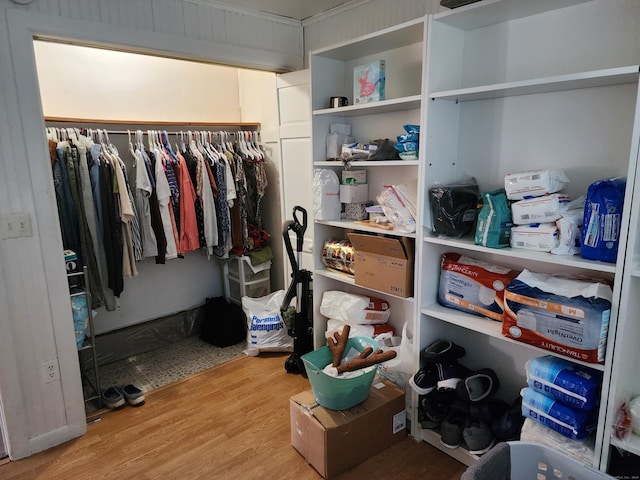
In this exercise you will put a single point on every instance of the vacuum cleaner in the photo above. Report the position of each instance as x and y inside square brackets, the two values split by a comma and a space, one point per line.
[299, 319]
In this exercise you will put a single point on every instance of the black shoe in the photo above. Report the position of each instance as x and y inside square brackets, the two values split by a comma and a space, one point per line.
[442, 351]
[434, 407]
[488, 410]
[450, 375]
[507, 426]
[478, 385]
[478, 437]
[425, 380]
[451, 429]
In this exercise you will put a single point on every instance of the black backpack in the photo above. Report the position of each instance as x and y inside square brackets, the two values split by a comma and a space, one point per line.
[223, 323]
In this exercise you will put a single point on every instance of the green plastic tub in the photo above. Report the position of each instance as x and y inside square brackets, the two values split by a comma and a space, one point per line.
[337, 393]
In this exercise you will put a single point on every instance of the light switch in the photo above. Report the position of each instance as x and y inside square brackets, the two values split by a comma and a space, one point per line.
[15, 225]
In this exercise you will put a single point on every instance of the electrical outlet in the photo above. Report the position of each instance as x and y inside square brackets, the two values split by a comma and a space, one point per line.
[15, 225]
[50, 370]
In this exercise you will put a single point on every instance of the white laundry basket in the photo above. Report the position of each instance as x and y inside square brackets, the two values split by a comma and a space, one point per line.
[526, 461]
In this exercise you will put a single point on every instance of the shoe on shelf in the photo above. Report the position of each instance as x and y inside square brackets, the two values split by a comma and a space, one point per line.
[133, 395]
[478, 385]
[425, 380]
[434, 407]
[488, 410]
[507, 426]
[113, 398]
[478, 436]
[442, 351]
[450, 375]
[451, 429]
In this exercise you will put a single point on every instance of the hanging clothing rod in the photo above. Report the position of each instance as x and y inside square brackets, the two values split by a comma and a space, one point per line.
[239, 125]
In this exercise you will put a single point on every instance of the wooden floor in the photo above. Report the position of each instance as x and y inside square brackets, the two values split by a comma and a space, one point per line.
[228, 422]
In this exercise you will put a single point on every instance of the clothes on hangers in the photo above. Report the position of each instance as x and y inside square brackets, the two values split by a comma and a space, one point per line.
[206, 194]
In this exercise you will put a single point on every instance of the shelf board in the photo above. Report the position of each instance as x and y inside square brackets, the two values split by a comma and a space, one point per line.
[524, 254]
[350, 225]
[383, 106]
[349, 280]
[631, 445]
[488, 327]
[596, 78]
[491, 12]
[401, 35]
[367, 163]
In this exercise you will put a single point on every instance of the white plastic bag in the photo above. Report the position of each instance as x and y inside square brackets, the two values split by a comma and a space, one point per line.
[326, 195]
[399, 369]
[266, 330]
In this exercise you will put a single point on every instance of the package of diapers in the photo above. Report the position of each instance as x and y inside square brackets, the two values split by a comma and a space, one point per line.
[541, 237]
[534, 183]
[602, 219]
[557, 416]
[545, 209]
[574, 385]
[568, 317]
[473, 286]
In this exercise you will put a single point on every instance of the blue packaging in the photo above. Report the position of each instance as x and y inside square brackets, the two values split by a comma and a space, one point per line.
[571, 423]
[600, 234]
[574, 385]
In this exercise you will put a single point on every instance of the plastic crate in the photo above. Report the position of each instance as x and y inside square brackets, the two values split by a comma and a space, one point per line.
[526, 461]
[242, 279]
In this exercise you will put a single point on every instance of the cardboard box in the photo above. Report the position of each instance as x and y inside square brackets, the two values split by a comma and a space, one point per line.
[71, 261]
[383, 264]
[332, 441]
[354, 176]
[369, 82]
[354, 193]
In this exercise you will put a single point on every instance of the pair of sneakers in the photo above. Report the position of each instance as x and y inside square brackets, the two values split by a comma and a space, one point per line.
[116, 396]
[461, 426]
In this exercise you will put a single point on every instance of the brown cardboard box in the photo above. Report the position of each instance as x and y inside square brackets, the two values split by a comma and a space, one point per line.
[332, 441]
[383, 264]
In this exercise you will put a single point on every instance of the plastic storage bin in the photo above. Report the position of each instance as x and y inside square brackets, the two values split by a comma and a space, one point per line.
[524, 461]
[242, 279]
[337, 393]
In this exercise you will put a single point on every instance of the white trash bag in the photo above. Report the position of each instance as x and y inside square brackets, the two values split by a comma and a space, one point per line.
[266, 330]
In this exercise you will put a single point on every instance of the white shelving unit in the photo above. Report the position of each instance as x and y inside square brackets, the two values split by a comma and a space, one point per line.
[403, 49]
[507, 93]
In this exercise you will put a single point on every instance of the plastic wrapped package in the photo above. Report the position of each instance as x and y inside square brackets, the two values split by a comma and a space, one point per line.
[266, 329]
[338, 255]
[602, 219]
[326, 195]
[399, 205]
[473, 286]
[566, 316]
[545, 209]
[580, 450]
[453, 207]
[569, 230]
[570, 383]
[354, 309]
[571, 423]
[494, 224]
[534, 183]
[80, 311]
[540, 237]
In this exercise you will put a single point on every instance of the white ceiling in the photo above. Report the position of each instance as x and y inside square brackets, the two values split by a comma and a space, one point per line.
[298, 9]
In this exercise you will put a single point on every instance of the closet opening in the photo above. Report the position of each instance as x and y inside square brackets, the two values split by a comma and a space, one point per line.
[148, 335]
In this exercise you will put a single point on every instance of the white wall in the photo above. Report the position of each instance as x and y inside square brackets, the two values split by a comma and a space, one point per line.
[114, 85]
[33, 291]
